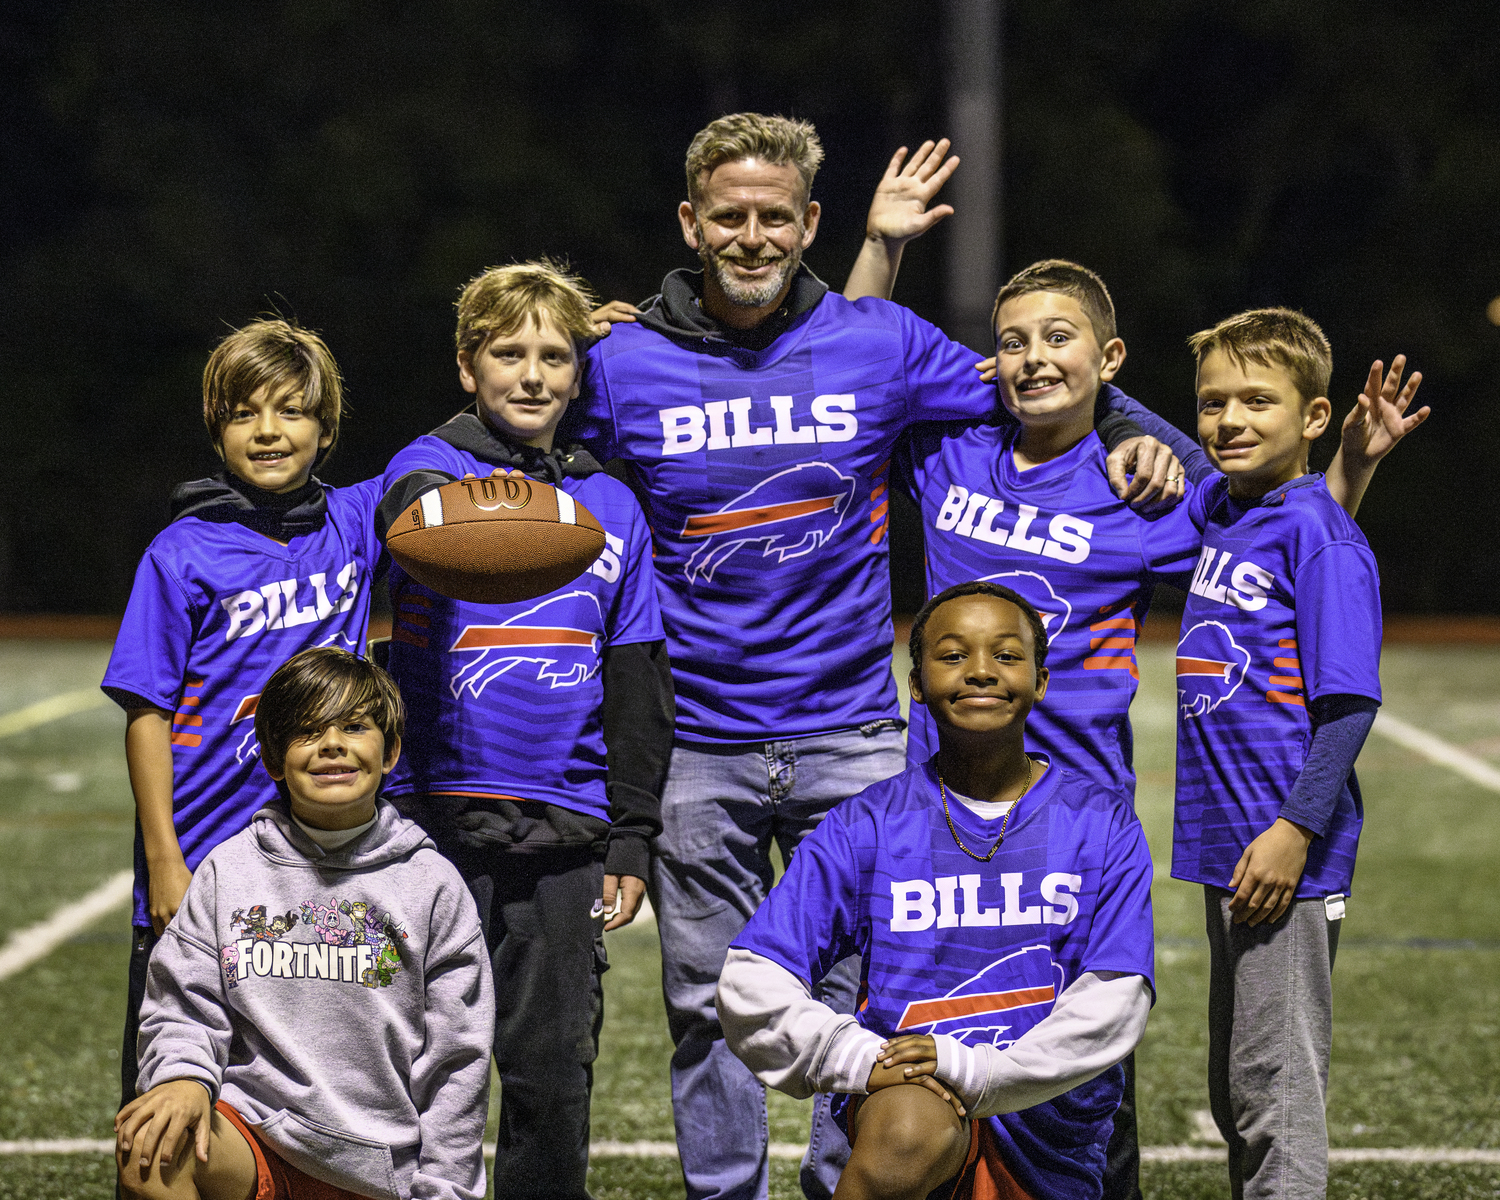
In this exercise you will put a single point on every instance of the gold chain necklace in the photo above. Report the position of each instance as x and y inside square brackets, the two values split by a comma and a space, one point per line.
[948, 816]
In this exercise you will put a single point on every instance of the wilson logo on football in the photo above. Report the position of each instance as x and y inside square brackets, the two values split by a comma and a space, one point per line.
[789, 514]
[511, 491]
[562, 654]
[1211, 665]
[996, 1005]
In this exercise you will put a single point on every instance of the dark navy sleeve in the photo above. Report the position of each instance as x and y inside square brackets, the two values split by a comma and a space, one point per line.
[1340, 726]
[810, 920]
[1195, 462]
[1337, 594]
[149, 662]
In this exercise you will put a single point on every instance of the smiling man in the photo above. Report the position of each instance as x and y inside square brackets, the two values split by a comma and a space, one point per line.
[759, 412]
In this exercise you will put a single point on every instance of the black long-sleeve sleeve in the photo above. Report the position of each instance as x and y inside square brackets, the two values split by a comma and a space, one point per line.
[639, 715]
[1340, 725]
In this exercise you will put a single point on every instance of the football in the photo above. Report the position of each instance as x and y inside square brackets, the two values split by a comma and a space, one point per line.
[495, 540]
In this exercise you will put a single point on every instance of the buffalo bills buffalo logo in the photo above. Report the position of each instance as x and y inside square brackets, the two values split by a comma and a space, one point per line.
[996, 1005]
[1211, 665]
[549, 637]
[790, 514]
[1038, 589]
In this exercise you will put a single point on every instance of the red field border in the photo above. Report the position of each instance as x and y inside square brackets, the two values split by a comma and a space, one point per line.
[1400, 628]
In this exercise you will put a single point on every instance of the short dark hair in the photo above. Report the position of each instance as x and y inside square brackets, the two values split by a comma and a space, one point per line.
[318, 688]
[978, 588]
[1068, 279]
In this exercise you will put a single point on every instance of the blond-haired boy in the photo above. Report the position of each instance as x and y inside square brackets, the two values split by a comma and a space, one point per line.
[1278, 683]
[539, 732]
[260, 561]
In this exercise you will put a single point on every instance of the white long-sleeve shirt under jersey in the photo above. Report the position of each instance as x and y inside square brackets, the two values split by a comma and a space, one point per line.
[799, 1045]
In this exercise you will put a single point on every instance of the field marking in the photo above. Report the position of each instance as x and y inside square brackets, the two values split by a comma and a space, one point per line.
[53, 708]
[1152, 1154]
[28, 945]
[1435, 749]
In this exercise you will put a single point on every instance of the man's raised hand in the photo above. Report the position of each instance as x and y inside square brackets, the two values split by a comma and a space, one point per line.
[605, 316]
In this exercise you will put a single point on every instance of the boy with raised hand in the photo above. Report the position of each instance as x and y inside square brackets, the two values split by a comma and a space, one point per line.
[259, 562]
[539, 731]
[342, 1048]
[1277, 675]
[1031, 505]
[1000, 904]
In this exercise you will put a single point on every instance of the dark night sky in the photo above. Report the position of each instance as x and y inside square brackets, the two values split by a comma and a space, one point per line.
[170, 169]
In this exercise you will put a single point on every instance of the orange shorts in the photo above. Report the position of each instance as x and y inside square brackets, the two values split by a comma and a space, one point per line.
[277, 1179]
[984, 1175]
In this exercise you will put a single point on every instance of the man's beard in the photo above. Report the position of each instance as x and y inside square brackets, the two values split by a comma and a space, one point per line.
[740, 293]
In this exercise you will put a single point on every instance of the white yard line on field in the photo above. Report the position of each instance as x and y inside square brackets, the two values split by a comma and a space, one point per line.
[1167, 1154]
[52, 708]
[28, 945]
[1435, 749]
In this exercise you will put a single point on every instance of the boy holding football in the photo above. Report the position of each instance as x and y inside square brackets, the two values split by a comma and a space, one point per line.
[539, 731]
[1000, 904]
[1277, 674]
[340, 1050]
[260, 561]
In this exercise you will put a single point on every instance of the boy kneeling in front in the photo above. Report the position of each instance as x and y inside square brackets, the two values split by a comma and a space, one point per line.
[319, 1011]
[1002, 909]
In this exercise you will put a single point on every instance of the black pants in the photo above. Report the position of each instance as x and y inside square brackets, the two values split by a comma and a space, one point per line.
[1122, 1167]
[547, 950]
[142, 941]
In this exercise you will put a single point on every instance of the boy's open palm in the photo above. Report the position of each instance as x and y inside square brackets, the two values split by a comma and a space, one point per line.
[899, 210]
[155, 1124]
[1378, 420]
[1265, 879]
[910, 1059]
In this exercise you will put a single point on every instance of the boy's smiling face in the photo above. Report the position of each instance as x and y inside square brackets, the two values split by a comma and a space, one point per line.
[1254, 423]
[1049, 360]
[978, 671]
[271, 441]
[524, 380]
[332, 775]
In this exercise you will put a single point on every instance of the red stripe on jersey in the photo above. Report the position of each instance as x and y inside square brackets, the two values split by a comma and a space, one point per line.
[1283, 698]
[411, 639]
[1111, 664]
[194, 683]
[480, 795]
[925, 1012]
[1112, 643]
[189, 701]
[1113, 623]
[187, 739]
[184, 719]
[1291, 664]
[1288, 643]
[1294, 681]
[879, 511]
[1203, 666]
[485, 637]
[708, 524]
[246, 709]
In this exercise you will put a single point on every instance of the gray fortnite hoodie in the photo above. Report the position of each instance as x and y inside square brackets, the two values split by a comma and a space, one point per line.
[340, 1001]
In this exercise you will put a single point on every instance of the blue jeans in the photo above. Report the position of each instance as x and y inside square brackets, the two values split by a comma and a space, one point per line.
[721, 809]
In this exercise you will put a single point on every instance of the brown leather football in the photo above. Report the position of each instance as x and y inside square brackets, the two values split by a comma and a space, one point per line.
[495, 540]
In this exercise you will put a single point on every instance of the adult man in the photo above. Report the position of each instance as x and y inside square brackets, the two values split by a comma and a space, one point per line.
[758, 412]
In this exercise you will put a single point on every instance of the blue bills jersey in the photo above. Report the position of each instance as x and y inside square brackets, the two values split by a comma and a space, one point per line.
[506, 700]
[1057, 534]
[215, 609]
[979, 951]
[1284, 607]
[765, 475]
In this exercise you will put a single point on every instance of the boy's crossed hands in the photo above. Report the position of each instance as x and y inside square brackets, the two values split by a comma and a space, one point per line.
[911, 1058]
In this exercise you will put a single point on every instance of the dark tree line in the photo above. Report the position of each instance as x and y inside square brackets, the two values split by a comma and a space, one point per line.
[174, 168]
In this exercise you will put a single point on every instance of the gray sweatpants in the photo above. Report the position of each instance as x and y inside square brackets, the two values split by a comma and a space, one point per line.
[1270, 1025]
